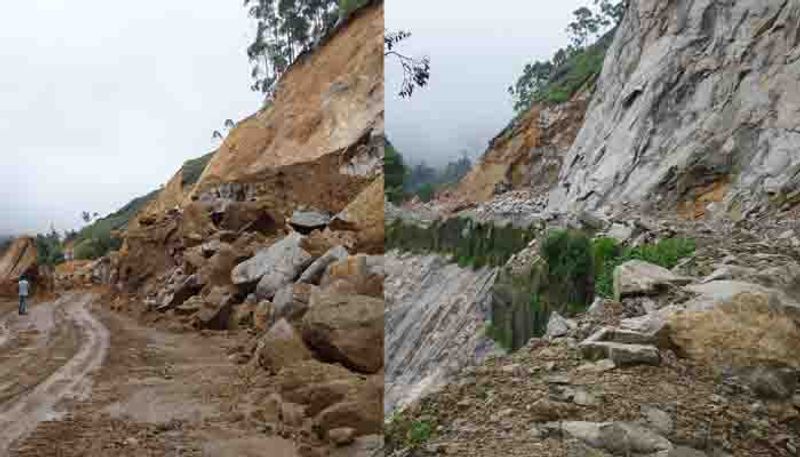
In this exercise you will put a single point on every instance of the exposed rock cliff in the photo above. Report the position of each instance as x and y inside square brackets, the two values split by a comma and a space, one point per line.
[528, 153]
[435, 312]
[317, 145]
[319, 128]
[697, 103]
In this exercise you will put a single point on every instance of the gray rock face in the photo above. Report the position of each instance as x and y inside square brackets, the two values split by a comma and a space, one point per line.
[274, 266]
[557, 326]
[620, 346]
[434, 319]
[314, 271]
[636, 277]
[309, 220]
[692, 94]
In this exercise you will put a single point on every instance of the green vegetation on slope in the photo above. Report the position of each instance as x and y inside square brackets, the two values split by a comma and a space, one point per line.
[608, 255]
[573, 67]
[470, 243]
[192, 169]
[97, 239]
[402, 432]
[394, 173]
[402, 181]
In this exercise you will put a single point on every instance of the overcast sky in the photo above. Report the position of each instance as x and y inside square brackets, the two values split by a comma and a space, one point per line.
[102, 101]
[477, 49]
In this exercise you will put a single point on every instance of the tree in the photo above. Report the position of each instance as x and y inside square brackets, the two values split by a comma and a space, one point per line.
[534, 77]
[394, 172]
[584, 25]
[416, 72]
[49, 250]
[284, 29]
[540, 76]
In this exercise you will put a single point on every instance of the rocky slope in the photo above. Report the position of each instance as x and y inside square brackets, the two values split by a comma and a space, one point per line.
[698, 361]
[689, 133]
[435, 312]
[279, 243]
[696, 109]
[527, 154]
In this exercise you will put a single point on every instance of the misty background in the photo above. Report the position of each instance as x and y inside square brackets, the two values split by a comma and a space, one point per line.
[101, 102]
[477, 50]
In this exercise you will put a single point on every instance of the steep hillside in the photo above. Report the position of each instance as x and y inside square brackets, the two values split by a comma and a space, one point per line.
[529, 153]
[435, 313]
[696, 109]
[278, 244]
[327, 106]
[18, 259]
[666, 320]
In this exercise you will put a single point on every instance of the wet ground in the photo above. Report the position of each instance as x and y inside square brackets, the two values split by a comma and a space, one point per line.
[79, 380]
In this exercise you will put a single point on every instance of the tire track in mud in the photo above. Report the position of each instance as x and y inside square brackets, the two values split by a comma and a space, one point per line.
[20, 416]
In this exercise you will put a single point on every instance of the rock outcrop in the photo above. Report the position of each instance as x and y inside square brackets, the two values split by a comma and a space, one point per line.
[278, 240]
[528, 153]
[435, 313]
[696, 109]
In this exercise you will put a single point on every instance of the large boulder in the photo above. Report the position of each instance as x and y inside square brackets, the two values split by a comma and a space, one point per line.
[318, 385]
[274, 266]
[292, 301]
[307, 220]
[363, 412]
[347, 329]
[217, 270]
[314, 272]
[183, 290]
[280, 347]
[636, 277]
[216, 310]
[356, 275]
[364, 216]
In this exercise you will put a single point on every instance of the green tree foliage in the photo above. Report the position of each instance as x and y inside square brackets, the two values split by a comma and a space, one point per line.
[49, 250]
[557, 79]
[568, 256]
[426, 192]
[420, 179]
[394, 173]
[284, 29]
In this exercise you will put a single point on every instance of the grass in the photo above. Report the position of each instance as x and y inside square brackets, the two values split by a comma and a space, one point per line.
[573, 270]
[608, 255]
[402, 432]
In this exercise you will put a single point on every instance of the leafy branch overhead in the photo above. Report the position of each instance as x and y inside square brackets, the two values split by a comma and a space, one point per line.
[284, 29]
[556, 80]
[416, 71]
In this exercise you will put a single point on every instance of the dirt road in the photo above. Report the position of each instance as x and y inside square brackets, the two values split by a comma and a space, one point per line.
[78, 380]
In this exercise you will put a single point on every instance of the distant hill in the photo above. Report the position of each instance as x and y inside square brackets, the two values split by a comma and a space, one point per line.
[96, 239]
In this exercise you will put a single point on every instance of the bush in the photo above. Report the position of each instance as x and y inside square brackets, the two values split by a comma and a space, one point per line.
[49, 250]
[607, 255]
[569, 269]
[403, 432]
[96, 245]
[426, 192]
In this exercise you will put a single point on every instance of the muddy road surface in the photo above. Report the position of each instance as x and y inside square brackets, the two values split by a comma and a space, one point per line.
[79, 380]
